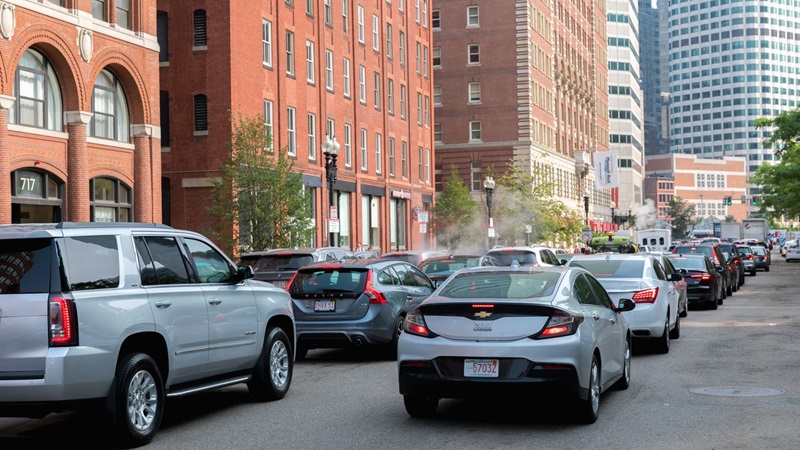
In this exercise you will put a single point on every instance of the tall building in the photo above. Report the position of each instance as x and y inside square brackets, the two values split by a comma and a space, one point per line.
[79, 121]
[353, 70]
[522, 82]
[649, 58]
[625, 100]
[729, 64]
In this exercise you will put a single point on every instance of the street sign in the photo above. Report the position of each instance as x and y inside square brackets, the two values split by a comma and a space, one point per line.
[528, 229]
[423, 227]
[334, 212]
[491, 232]
[422, 217]
[587, 234]
[333, 226]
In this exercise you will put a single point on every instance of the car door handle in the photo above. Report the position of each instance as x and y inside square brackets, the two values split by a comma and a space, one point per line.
[214, 301]
[163, 304]
[613, 321]
[595, 317]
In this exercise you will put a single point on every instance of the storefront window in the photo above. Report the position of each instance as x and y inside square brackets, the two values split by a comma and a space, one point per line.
[398, 216]
[344, 219]
[370, 221]
[36, 197]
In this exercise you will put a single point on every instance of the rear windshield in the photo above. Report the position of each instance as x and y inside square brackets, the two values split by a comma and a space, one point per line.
[506, 257]
[277, 262]
[745, 250]
[448, 265]
[501, 285]
[697, 250]
[758, 250]
[25, 266]
[611, 268]
[689, 263]
[325, 281]
[407, 257]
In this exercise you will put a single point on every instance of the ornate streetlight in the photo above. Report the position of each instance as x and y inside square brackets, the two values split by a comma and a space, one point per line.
[330, 148]
[488, 184]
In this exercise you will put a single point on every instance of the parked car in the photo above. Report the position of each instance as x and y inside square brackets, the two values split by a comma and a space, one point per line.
[441, 267]
[733, 258]
[366, 254]
[490, 331]
[279, 266]
[354, 303]
[761, 258]
[717, 258]
[525, 256]
[119, 317]
[704, 282]
[748, 258]
[681, 286]
[793, 252]
[642, 278]
[786, 245]
[414, 256]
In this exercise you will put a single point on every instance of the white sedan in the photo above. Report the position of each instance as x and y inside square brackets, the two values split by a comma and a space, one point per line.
[793, 252]
[642, 278]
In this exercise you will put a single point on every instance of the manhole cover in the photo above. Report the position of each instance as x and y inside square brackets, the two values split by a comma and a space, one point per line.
[736, 391]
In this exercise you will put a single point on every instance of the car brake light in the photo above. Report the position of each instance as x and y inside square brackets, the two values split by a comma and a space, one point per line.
[291, 280]
[415, 324]
[375, 297]
[560, 324]
[646, 296]
[702, 277]
[63, 321]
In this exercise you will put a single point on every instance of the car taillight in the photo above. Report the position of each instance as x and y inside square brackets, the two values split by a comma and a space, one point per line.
[375, 297]
[702, 277]
[63, 321]
[415, 324]
[560, 324]
[291, 280]
[736, 261]
[646, 296]
[749, 257]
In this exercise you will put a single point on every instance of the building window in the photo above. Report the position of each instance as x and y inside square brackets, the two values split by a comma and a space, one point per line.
[436, 20]
[437, 95]
[403, 108]
[390, 96]
[269, 124]
[124, 13]
[389, 40]
[427, 111]
[330, 128]
[312, 137]
[376, 38]
[437, 133]
[391, 157]
[266, 42]
[473, 17]
[329, 70]
[289, 53]
[437, 57]
[99, 10]
[38, 96]
[362, 84]
[291, 128]
[402, 47]
[474, 92]
[400, 6]
[377, 90]
[420, 167]
[424, 13]
[310, 8]
[419, 58]
[110, 200]
[110, 108]
[346, 76]
[404, 159]
[310, 67]
[328, 13]
[419, 108]
[475, 131]
[345, 18]
[473, 54]
[416, 10]
[363, 143]
[162, 32]
[200, 112]
[164, 115]
[476, 178]
[348, 145]
[425, 58]
[370, 221]
[200, 38]
[378, 153]
[360, 24]
[428, 166]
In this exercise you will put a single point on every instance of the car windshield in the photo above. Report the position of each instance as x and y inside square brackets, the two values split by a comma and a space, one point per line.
[277, 262]
[523, 257]
[329, 280]
[689, 263]
[758, 250]
[439, 266]
[698, 250]
[501, 285]
[745, 250]
[611, 268]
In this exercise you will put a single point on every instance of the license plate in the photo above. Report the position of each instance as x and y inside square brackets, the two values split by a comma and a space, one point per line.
[481, 367]
[280, 283]
[324, 305]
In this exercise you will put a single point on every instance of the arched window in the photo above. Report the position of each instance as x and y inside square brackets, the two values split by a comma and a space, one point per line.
[110, 119]
[200, 113]
[110, 200]
[38, 96]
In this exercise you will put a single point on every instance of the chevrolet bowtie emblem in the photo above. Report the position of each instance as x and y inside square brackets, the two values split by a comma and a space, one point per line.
[482, 314]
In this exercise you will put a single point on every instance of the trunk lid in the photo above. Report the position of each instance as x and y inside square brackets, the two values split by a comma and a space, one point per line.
[330, 293]
[485, 319]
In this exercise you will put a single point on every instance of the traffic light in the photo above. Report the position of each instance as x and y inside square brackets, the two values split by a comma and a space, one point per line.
[755, 200]
[728, 200]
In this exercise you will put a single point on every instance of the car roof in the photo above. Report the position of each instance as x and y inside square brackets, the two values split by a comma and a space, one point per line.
[278, 251]
[371, 263]
[13, 231]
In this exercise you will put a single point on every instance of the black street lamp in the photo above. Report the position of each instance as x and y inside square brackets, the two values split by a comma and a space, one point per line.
[488, 184]
[613, 217]
[629, 218]
[586, 206]
[330, 148]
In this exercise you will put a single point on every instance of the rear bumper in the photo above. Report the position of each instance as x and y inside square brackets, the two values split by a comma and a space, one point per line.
[375, 328]
[700, 294]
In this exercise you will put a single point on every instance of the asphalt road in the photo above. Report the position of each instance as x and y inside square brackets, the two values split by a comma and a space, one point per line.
[349, 400]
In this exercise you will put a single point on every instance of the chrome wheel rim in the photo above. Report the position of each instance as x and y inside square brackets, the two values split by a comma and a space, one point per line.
[142, 400]
[400, 323]
[627, 370]
[594, 390]
[279, 364]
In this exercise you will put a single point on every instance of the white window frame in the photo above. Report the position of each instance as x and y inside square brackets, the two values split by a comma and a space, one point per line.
[419, 58]
[404, 159]
[291, 131]
[330, 128]
[475, 129]
[436, 19]
[427, 111]
[376, 91]
[348, 145]
[346, 77]
[360, 24]
[312, 137]
[269, 129]
[474, 93]
[416, 10]
[345, 17]
[376, 33]
[436, 59]
[329, 70]
[437, 95]
[389, 53]
[425, 59]
[424, 13]
[328, 13]
[438, 133]
[403, 101]
[402, 47]
[400, 6]
[289, 53]
[362, 84]
[391, 158]
[419, 108]
[428, 166]
[470, 52]
[378, 153]
[310, 66]
[473, 16]
[266, 42]
[364, 149]
[420, 168]
[390, 96]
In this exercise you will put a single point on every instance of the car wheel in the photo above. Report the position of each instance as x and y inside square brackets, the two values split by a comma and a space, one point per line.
[728, 290]
[662, 343]
[589, 409]
[685, 312]
[753, 272]
[420, 407]
[398, 330]
[139, 398]
[735, 286]
[675, 333]
[625, 382]
[766, 269]
[273, 372]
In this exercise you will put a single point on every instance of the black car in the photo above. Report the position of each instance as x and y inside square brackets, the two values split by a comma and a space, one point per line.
[703, 280]
[730, 250]
[717, 259]
[440, 268]
[761, 257]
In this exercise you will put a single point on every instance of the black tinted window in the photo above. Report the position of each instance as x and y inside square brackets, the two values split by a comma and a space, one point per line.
[520, 285]
[601, 293]
[146, 266]
[277, 262]
[210, 265]
[168, 261]
[583, 292]
[92, 262]
[689, 263]
[25, 266]
[329, 281]
[524, 258]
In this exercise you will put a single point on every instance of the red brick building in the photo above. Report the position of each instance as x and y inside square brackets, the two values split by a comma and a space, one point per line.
[356, 70]
[79, 112]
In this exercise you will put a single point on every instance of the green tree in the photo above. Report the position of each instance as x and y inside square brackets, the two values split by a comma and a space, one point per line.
[681, 213]
[730, 219]
[454, 212]
[780, 183]
[259, 201]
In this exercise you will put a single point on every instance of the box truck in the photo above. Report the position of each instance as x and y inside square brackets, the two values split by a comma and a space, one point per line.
[730, 231]
[757, 229]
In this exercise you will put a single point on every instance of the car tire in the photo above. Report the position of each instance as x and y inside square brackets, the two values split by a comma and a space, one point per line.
[675, 333]
[661, 344]
[625, 381]
[766, 269]
[391, 352]
[272, 374]
[728, 290]
[589, 409]
[753, 272]
[139, 399]
[420, 407]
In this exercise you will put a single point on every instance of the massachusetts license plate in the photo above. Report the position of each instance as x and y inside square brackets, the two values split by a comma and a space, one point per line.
[481, 367]
[324, 305]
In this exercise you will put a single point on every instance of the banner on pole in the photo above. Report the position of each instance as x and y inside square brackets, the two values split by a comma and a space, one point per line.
[606, 170]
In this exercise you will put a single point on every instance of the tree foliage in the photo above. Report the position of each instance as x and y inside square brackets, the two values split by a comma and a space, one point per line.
[259, 201]
[780, 183]
[454, 212]
[681, 213]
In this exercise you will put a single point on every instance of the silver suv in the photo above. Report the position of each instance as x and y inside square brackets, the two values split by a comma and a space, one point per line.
[121, 316]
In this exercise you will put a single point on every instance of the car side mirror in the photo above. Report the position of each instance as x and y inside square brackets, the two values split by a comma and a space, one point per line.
[721, 269]
[244, 272]
[683, 271]
[625, 304]
[675, 277]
